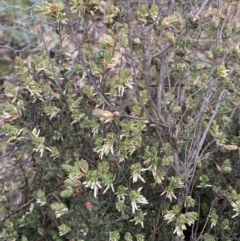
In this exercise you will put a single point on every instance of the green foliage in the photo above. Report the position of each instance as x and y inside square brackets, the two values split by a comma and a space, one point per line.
[146, 149]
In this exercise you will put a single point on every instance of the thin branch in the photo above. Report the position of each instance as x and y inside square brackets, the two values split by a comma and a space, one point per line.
[208, 216]
[220, 32]
[171, 4]
[29, 202]
[196, 152]
[10, 153]
[158, 54]
[201, 9]
[26, 186]
[79, 49]
[17, 210]
[46, 231]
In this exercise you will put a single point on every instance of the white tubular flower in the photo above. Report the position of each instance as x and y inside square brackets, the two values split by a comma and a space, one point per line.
[107, 180]
[92, 181]
[136, 170]
[139, 218]
[170, 216]
[135, 198]
[236, 208]
[121, 192]
[179, 231]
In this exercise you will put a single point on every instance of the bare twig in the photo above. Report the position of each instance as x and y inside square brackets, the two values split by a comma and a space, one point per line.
[195, 152]
[18, 210]
[201, 9]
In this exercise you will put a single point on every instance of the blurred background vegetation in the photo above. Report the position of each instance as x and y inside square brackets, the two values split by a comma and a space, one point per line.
[18, 32]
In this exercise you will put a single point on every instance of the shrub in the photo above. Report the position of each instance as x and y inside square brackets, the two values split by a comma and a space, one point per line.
[146, 147]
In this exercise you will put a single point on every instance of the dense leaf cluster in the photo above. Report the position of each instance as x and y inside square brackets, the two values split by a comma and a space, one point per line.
[148, 147]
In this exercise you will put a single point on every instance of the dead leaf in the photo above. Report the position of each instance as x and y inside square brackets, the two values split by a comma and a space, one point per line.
[56, 95]
[105, 115]
[230, 147]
